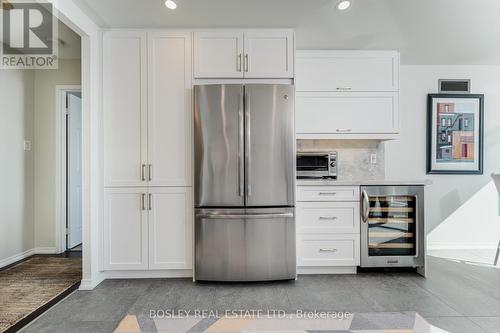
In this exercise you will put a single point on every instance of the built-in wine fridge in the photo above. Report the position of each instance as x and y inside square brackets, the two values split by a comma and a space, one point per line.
[392, 226]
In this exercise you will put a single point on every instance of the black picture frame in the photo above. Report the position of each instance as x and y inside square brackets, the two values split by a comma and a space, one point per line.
[430, 124]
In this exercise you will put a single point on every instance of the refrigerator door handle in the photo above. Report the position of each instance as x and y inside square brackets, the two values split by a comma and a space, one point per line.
[241, 148]
[248, 146]
[240, 216]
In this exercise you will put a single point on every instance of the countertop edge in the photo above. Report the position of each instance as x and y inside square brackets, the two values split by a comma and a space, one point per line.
[368, 182]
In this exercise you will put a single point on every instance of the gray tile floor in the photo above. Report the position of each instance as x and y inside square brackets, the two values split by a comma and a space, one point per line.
[457, 297]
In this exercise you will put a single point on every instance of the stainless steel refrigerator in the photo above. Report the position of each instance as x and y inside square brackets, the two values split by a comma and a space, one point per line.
[244, 182]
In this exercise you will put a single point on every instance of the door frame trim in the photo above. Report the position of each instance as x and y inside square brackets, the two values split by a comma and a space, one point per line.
[60, 163]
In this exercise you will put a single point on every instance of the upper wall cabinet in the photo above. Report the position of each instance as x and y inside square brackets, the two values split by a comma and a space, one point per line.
[218, 54]
[343, 71]
[244, 54]
[147, 108]
[347, 95]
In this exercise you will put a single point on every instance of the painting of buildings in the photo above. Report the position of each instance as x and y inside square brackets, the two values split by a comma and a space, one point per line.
[455, 134]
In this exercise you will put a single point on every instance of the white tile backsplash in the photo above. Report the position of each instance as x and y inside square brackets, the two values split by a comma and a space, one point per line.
[354, 156]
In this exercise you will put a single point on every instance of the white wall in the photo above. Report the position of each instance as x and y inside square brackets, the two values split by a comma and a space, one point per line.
[16, 165]
[68, 73]
[461, 211]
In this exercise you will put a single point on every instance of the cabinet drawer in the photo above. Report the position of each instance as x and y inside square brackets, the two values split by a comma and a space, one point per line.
[328, 250]
[347, 113]
[327, 193]
[328, 217]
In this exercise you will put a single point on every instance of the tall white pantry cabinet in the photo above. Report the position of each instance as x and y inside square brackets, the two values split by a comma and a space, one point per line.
[147, 109]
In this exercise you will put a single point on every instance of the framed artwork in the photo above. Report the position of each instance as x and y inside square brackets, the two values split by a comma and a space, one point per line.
[455, 134]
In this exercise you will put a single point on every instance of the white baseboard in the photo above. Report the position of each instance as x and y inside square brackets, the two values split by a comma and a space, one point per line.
[28, 253]
[16, 257]
[461, 246]
[326, 270]
[45, 250]
[178, 273]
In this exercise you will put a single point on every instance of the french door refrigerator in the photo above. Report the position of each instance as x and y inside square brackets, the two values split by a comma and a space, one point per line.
[244, 182]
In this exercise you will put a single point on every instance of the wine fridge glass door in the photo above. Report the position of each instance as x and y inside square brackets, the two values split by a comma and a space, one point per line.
[392, 225]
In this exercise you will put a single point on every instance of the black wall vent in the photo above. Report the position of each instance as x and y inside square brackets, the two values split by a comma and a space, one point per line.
[454, 86]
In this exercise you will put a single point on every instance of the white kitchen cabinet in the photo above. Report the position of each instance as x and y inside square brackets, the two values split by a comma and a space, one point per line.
[269, 54]
[125, 108]
[147, 109]
[330, 114]
[347, 94]
[169, 109]
[218, 54]
[328, 229]
[170, 228]
[125, 229]
[356, 71]
[244, 54]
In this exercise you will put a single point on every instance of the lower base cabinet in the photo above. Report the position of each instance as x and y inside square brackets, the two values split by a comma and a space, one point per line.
[147, 228]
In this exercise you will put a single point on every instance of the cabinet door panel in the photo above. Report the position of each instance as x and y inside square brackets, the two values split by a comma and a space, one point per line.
[347, 71]
[171, 228]
[125, 229]
[169, 109]
[347, 113]
[269, 54]
[218, 54]
[125, 113]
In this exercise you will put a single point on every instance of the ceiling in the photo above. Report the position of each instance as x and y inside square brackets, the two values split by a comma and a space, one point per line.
[425, 31]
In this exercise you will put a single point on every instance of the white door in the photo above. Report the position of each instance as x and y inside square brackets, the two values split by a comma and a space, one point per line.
[74, 169]
[171, 228]
[268, 54]
[218, 54]
[125, 108]
[125, 229]
[169, 109]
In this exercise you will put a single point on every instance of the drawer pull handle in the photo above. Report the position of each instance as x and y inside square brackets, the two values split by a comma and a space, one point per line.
[327, 250]
[327, 217]
[327, 193]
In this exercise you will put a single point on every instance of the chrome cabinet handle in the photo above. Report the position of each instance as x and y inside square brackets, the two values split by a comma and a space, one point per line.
[143, 172]
[327, 193]
[143, 201]
[150, 172]
[150, 201]
[246, 63]
[238, 65]
[344, 130]
[344, 88]
[366, 207]
[241, 148]
[327, 250]
[327, 217]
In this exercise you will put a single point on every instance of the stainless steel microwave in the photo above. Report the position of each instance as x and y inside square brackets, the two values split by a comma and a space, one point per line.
[317, 165]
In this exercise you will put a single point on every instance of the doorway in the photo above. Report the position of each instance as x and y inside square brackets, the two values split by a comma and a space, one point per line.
[70, 111]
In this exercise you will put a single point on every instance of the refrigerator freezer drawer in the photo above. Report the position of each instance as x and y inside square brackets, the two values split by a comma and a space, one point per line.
[245, 244]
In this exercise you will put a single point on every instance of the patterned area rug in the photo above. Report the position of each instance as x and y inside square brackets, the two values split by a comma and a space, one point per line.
[360, 322]
[33, 283]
